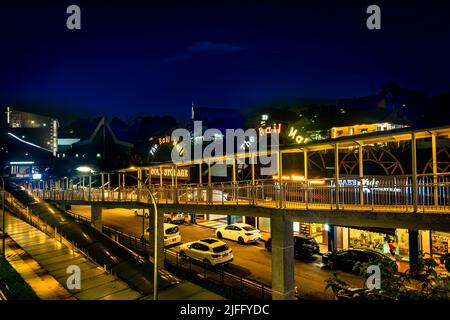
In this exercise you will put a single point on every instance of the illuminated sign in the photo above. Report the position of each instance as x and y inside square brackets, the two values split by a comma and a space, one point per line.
[153, 149]
[167, 172]
[164, 140]
[298, 138]
[248, 143]
[275, 128]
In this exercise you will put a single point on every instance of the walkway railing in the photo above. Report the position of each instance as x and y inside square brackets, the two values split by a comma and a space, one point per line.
[388, 193]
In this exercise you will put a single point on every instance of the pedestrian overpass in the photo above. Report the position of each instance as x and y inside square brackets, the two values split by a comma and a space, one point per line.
[414, 200]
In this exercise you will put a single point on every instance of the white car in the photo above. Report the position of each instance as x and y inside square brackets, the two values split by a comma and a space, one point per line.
[171, 234]
[210, 251]
[240, 232]
[176, 218]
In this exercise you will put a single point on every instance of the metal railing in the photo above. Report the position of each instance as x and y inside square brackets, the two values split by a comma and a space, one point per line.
[391, 193]
[232, 285]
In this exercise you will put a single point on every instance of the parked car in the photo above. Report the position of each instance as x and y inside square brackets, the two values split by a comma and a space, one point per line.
[171, 234]
[210, 251]
[240, 232]
[346, 260]
[303, 246]
[176, 218]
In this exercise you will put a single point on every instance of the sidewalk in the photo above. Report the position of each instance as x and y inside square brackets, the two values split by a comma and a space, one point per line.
[41, 282]
[42, 262]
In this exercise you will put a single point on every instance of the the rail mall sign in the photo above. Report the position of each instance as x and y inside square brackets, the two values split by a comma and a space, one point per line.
[182, 173]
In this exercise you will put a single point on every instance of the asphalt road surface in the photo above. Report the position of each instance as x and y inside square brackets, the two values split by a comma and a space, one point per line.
[251, 260]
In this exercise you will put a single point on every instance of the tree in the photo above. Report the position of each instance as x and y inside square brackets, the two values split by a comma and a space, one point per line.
[408, 285]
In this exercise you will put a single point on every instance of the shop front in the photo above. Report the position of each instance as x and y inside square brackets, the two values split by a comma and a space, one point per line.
[440, 243]
[393, 242]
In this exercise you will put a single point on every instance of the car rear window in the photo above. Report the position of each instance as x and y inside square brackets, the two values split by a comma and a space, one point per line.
[209, 240]
[172, 230]
[248, 228]
[221, 248]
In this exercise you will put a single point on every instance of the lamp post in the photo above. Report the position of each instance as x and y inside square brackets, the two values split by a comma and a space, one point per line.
[86, 169]
[156, 256]
[3, 220]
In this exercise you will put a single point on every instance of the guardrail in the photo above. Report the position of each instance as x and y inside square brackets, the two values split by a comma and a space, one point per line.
[369, 194]
[229, 284]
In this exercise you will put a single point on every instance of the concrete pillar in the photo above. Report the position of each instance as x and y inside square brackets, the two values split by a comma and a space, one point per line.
[230, 219]
[283, 285]
[96, 217]
[414, 250]
[332, 238]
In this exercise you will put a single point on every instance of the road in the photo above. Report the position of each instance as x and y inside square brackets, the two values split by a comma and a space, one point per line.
[252, 260]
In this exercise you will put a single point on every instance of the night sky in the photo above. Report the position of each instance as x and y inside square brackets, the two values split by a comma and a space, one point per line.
[156, 57]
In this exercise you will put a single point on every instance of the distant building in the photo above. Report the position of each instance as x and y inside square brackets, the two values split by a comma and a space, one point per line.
[33, 129]
[101, 150]
[357, 129]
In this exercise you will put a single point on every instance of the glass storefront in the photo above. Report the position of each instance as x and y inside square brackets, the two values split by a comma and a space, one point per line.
[314, 230]
[440, 242]
[393, 244]
[369, 240]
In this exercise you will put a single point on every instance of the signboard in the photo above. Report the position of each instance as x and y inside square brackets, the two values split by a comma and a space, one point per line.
[182, 173]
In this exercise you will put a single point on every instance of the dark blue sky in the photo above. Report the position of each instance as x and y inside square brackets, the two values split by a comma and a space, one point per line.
[155, 57]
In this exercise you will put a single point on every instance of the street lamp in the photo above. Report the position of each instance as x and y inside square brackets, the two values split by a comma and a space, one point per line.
[3, 219]
[86, 169]
[156, 257]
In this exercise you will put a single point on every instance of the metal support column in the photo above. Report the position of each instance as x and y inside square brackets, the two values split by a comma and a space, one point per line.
[361, 174]
[305, 175]
[434, 160]
[336, 174]
[90, 186]
[280, 179]
[414, 170]
[103, 186]
[252, 164]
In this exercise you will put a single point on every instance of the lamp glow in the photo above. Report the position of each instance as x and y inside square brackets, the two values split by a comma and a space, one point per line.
[85, 169]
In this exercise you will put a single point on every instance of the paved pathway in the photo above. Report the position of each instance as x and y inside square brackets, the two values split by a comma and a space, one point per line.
[50, 255]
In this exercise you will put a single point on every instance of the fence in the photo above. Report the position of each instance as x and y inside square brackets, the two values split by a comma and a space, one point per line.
[370, 193]
[229, 284]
